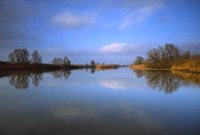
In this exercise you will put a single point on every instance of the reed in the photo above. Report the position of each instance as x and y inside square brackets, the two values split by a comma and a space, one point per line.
[187, 65]
[143, 67]
[139, 67]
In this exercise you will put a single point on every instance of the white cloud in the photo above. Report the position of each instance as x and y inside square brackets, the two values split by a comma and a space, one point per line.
[140, 14]
[121, 84]
[113, 84]
[69, 20]
[124, 48]
[113, 48]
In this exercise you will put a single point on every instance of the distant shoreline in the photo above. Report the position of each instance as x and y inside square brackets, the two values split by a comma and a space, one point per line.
[9, 66]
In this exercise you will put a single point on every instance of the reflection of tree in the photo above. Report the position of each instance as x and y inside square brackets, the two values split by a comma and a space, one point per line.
[36, 78]
[67, 73]
[188, 78]
[162, 80]
[61, 73]
[139, 73]
[92, 70]
[20, 81]
[86, 69]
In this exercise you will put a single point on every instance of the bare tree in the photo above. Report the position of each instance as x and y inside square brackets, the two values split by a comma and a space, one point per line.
[59, 61]
[65, 60]
[163, 57]
[92, 63]
[36, 57]
[54, 61]
[19, 56]
[186, 55]
[68, 62]
[139, 60]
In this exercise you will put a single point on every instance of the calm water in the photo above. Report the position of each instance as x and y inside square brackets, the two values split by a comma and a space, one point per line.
[111, 102]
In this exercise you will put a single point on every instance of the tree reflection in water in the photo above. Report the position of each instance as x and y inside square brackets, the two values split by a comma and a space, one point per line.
[162, 80]
[36, 78]
[167, 80]
[61, 73]
[92, 70]
[139, 73]
[20, 81]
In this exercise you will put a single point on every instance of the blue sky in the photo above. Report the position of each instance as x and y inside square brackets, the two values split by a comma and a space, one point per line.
[109, 31]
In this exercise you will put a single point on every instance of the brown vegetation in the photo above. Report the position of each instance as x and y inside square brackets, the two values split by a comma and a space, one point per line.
[139, 60]
[139, 67]
[191, 64]
[144, 68]
[162, 57]
[169, 57]
[106, 67]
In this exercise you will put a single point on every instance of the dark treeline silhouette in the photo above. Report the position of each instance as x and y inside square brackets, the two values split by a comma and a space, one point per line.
[19, 59]
[168, 81]
[170, 57]
[21, 56]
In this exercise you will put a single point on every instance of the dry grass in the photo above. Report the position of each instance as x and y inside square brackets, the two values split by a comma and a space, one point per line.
[139, 67]
[187, 65]
[106, 67]
[143, 67]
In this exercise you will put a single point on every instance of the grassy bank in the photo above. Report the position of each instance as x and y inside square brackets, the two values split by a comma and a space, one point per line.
[143, 67]
[183, 66]
[187, 65]
[106, 67]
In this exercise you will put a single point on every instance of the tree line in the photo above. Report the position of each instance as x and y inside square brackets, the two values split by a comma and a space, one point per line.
[21, 56]
[166, 56]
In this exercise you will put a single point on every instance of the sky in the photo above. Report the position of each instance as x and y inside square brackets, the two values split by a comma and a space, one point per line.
[106, 31]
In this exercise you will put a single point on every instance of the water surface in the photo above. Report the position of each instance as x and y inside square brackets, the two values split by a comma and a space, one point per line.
[89, 102]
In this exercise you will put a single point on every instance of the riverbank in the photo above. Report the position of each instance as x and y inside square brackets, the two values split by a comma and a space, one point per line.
[9, 66]
[182, 67]
[143, 68]
[187, 66]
